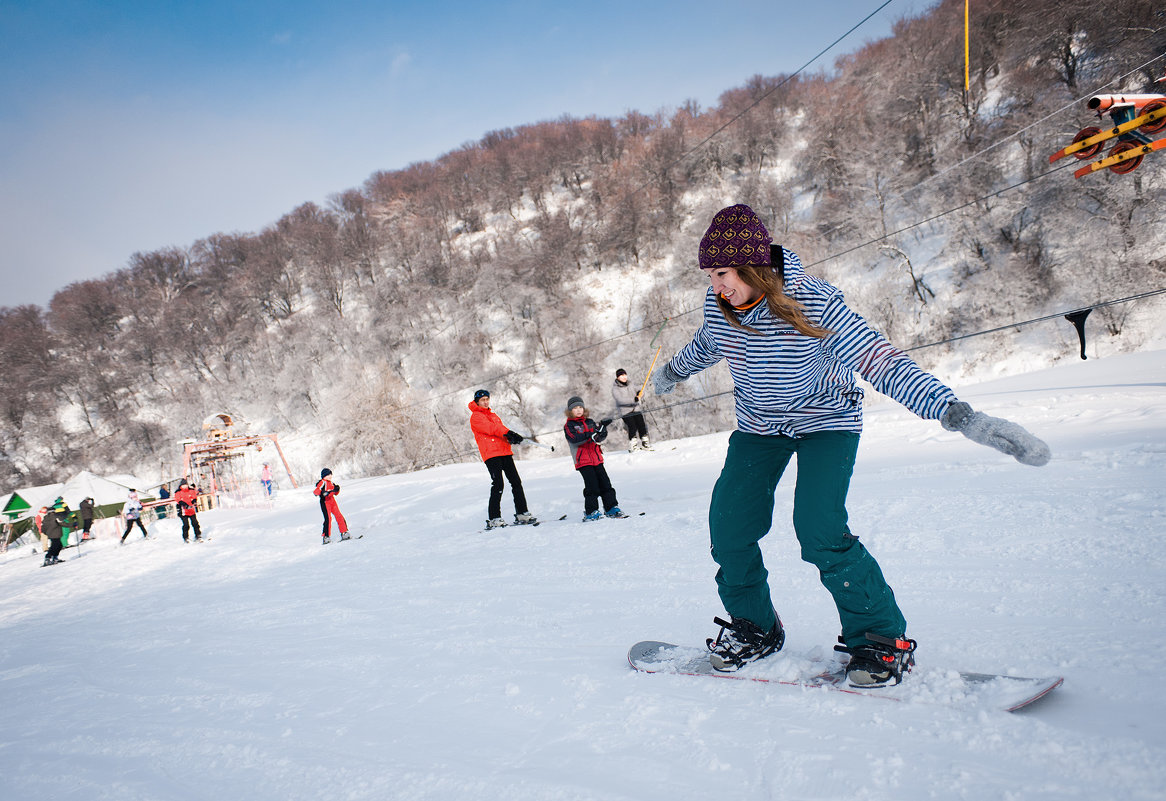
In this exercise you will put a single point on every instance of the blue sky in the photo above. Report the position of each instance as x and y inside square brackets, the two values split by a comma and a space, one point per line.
[131, 126]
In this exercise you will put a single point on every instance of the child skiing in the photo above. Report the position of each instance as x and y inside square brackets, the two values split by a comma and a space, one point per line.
[186, 497]
[584, 436]
[327, 491]
[793, 347]
[133, 514]
[494, 441]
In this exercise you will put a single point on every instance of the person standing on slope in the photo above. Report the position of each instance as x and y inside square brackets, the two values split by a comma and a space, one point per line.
[494, 441]
[793, 347]
[55, 526]
[327, 490]
[85, 509]
[584, 436]
[133, 514]
[628, 407]
[186, 498]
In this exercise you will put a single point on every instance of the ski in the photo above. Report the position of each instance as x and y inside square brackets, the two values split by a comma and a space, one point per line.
[1102, 136]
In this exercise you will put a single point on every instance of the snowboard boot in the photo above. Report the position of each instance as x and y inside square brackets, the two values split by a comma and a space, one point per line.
[596, 515]
[880, 662]
[495, 522]
[740, 642]
[524, 519]
[615, 511]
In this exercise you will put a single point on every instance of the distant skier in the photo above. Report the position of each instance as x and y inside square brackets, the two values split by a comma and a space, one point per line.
[186, 498]
[133, 514]
[327, 490]
[494, 441]
[793, 347]
[584, 437]
[55, 527]
[85, 509]
[265, 478]
[628, 408]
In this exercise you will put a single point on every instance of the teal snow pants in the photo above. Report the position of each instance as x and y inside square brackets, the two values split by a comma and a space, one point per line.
[741, 514]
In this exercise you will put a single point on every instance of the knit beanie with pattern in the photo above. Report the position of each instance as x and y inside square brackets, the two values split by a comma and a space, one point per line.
[736, 237]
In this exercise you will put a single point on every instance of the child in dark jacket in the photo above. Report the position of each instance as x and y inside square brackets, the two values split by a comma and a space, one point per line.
[584, 437]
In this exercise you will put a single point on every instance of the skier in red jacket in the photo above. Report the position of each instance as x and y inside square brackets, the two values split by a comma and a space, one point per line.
[186, 497]
[327, 491]
[494, 441]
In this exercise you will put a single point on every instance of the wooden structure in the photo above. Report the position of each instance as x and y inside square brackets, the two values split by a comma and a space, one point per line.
[213, 463]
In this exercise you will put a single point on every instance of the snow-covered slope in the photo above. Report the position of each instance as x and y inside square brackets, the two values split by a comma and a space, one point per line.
[431, 660]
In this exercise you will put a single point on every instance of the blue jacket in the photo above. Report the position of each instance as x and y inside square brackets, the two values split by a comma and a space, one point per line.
[789, 384]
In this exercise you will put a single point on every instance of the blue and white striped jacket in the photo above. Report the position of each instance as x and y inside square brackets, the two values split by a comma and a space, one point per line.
[789, 384]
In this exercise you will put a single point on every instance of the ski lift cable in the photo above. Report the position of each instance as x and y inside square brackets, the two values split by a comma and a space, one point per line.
[1019, 324]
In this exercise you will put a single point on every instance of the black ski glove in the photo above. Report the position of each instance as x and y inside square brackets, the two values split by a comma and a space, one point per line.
[335, 489]
[1007, 437]
[605, 422]
[513, 437]
[638, 394]
[599, 436]
[666, 380]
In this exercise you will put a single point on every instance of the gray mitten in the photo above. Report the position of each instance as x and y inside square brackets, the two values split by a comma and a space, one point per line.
[1004, 436]
[665, 380]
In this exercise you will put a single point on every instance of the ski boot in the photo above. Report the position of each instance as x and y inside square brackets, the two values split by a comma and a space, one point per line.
[880, 662]
[524, 519]
[495, 522]
[344, 535]
[327, 539]
[740, 642]
[596, 515]
[615, 511]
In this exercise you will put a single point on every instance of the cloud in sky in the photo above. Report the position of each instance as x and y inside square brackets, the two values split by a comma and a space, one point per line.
[131, 126]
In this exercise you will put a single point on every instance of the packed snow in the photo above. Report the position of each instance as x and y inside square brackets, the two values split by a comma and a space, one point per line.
[433, 660]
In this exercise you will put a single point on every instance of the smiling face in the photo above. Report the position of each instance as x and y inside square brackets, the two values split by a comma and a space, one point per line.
[728, 284]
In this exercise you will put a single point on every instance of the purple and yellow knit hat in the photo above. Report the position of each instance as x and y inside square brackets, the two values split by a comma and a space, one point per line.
[735, 238]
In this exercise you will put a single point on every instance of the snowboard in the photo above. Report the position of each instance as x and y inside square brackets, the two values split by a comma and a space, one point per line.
[813, 671]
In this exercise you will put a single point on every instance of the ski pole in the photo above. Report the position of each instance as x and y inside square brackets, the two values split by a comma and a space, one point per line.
[529, 441]
[650, 369]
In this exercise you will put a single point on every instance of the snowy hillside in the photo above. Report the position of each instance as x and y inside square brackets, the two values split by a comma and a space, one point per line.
[433, 661]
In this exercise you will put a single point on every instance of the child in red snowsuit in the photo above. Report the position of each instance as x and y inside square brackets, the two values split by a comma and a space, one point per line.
[584, 436]
[327, 492]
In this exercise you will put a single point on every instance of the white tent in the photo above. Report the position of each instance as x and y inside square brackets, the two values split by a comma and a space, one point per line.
[103, 491]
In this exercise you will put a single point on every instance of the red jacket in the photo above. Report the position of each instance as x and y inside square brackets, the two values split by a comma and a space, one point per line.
[326, 490]
[489, 432]
[584, 449]
[187, 500]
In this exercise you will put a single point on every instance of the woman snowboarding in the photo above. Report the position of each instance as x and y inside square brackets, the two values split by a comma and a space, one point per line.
[793, 347]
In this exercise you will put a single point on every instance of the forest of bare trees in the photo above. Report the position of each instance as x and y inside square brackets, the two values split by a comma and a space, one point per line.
[360, 329]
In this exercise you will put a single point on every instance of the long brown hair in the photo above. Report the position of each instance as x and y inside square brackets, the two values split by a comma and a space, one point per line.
[766, 280]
